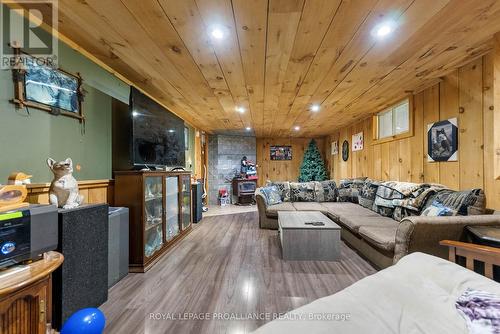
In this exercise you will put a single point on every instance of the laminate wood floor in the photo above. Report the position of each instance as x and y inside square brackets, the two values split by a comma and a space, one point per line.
[231, 269]
[217, 210]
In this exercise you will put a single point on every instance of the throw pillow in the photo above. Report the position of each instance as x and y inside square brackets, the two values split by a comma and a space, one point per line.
[367, 194]
[349, 189]
[438, 209]
[344, 194]
[326, 191]
[303, 191]
[283, 189]
[272, 195]
[385, 199]
[466, 202]
[345, 183]
[400, 212]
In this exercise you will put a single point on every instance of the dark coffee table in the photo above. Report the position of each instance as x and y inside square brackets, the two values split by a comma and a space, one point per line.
[486, 236]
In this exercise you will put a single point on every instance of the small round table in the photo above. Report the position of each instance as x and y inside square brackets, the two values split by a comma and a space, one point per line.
[26, 295]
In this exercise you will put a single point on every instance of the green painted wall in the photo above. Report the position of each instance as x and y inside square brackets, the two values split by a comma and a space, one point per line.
[27, 140]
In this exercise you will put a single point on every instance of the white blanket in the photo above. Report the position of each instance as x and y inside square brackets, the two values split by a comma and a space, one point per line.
[417, 295]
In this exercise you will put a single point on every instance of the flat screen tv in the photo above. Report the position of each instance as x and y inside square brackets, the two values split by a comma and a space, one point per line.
[157, 134]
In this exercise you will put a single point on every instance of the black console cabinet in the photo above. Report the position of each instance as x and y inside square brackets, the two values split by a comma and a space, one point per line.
[197, 193]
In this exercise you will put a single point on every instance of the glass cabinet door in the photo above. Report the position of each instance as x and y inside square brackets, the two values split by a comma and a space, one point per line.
[153, 214]
[186, 200]
[172, 207]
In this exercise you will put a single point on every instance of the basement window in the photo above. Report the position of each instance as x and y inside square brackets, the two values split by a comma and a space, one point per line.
[393, 121]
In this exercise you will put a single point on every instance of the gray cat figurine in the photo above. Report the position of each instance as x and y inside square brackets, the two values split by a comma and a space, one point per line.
[63, 190]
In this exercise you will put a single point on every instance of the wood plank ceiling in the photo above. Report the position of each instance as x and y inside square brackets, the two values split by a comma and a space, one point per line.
[278, 57]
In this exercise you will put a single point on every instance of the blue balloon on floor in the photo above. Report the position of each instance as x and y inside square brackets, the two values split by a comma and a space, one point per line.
[85, 321]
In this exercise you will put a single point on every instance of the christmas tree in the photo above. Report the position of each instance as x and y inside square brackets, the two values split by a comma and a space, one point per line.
[313, 167]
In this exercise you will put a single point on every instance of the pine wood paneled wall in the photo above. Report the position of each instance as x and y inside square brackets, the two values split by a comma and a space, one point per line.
[283, 170]
[466, 93]
[93, 191]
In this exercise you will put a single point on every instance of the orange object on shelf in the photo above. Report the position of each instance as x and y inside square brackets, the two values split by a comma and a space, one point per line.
[12, 197]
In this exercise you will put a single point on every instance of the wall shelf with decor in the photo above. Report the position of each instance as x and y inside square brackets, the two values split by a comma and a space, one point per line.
[160, 212]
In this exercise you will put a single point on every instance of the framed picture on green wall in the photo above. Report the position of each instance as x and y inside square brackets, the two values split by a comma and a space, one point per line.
[46, 88]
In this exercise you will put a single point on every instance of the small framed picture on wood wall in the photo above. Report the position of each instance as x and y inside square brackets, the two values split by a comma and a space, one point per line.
[281, 153]
[335, 147]
[357, 142]
[442, 141]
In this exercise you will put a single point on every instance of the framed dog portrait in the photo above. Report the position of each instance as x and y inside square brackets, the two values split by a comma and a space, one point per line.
[442, 140]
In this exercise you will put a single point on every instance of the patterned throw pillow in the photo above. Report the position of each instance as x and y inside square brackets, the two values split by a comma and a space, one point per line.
[367, 194]
[272, 195]
[466, 202]
[349, 189]
[400, 212]
[385, 198]
[283, 189]
[303, 191]
[345, 183]
[344, 194]
[326, 191]
[438, 209]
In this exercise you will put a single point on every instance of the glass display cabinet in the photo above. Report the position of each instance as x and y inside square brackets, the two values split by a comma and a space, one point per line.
[153, 214]
[159, 205]
[172, 205]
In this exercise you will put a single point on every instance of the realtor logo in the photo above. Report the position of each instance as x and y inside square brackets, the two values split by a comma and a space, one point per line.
[28, 28]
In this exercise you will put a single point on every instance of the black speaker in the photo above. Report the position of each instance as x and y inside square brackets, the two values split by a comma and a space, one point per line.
[196, 193]
[82, 280]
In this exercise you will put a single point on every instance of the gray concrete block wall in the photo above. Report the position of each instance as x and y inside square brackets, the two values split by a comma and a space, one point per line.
[224, 158]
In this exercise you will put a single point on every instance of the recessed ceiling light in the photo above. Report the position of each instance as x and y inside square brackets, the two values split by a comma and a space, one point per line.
[135, 114]
[217, 32]
[315, 107]
[384, 29]
[240, 109]
[296, 128]
[171, 130]
[248, 128]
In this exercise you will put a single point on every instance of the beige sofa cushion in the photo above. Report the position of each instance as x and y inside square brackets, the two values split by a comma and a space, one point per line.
[308, 206]
[379, 237]
[353, 223]
[332, 206]
[347, 209]
[272, 210]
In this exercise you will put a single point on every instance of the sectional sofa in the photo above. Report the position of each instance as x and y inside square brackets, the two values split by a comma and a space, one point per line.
[383, 220]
